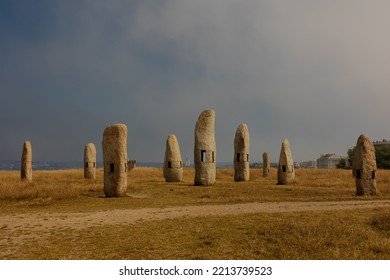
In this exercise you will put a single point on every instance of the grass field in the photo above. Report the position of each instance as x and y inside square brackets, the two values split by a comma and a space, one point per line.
[346, 234]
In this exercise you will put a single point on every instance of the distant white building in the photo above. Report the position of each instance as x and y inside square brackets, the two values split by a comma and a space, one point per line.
[329, 161]
[187, 162]
[382, 143]
[309, 164]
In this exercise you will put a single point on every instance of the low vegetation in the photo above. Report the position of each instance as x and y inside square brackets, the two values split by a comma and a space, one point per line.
[347, 234]
[326, 235]
[62, 190]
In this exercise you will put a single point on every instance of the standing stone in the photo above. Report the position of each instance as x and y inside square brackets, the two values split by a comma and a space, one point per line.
[205, 149]
[26, 162]
[241, 153]
[90, 161]
[173, 166]
[266, 165]
[364, 166]
[115, 160]
[286, 172]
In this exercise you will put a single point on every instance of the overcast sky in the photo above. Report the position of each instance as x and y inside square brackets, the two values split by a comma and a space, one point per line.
[315, 72]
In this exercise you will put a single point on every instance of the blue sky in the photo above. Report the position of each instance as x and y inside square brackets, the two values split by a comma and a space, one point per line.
[315, 72]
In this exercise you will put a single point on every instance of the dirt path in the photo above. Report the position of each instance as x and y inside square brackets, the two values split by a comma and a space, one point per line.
[17, 230]
[41, 223]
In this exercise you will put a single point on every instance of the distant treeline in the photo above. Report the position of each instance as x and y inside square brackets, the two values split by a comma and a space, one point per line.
[382, 154]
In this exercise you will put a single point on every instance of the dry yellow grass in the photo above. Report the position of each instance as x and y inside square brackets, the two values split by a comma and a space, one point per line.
[63, 189]
[319, 235]
[46, 185]
[346, 234]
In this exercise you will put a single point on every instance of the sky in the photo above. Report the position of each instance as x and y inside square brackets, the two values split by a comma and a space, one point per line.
[314, 72]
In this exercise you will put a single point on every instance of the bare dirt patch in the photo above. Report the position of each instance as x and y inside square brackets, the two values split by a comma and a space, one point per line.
[39, 225]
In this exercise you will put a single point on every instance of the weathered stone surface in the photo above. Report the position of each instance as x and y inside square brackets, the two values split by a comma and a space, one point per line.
[241, 153]
[173, 165]
[90, 161]
[266, 165]
[26, 162]
[364, 166]
[115, 160]
[286, 171]
[205, 149]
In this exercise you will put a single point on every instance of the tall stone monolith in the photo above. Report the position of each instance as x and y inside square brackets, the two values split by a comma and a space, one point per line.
[173, 165]
[286, 171]
[205, 149]
[241, 153]
[90, 161]
[26, 162]
[266, 165]
[115, 160]
[364, 166]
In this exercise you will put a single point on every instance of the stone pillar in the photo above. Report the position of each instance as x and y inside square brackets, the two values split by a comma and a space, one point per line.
[266, 165]
[26, 162]
[241, 154]
[286, 171]
[173, 165]
[90, 161]
[115, 160]
[205, 149]
[364, 166]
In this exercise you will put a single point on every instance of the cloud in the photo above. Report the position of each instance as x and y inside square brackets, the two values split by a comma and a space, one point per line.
[314, 72]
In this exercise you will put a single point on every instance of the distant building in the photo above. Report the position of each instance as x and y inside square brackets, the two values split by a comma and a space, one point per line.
[256, 165]
[131, 164]
[382, 143]
[328, 161]
[309, 164]
[187, 161]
